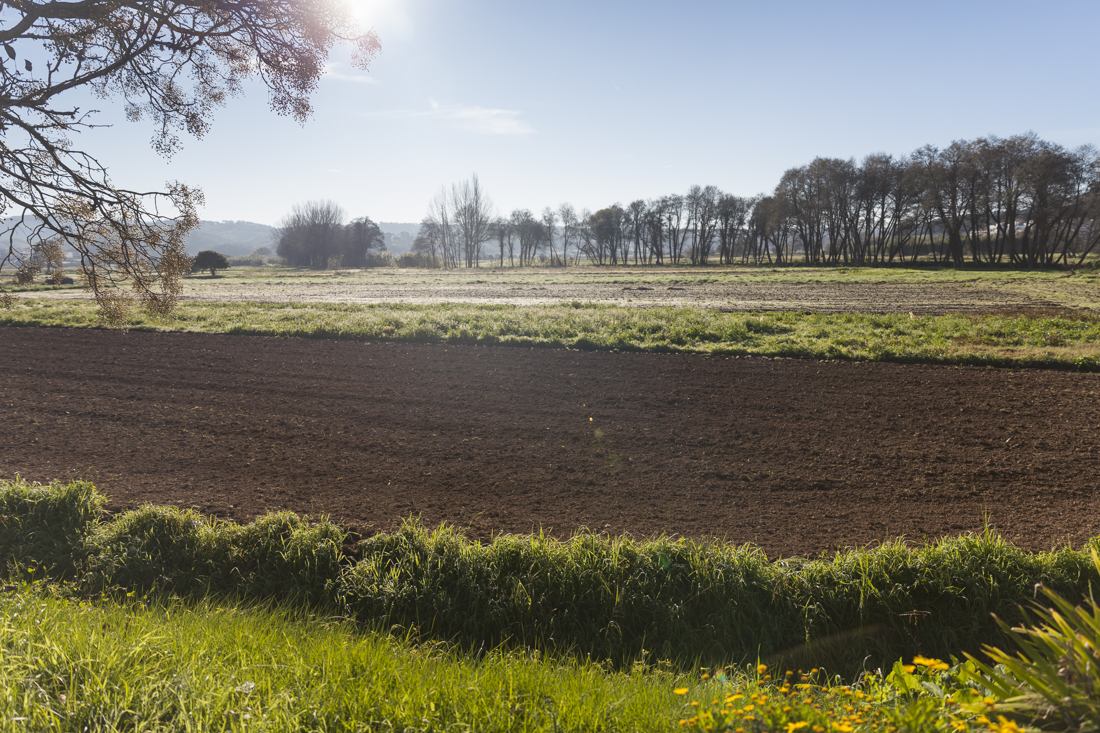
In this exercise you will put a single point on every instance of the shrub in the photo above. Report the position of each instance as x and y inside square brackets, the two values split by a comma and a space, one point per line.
[418, 259]
[377, 259]
[252, 260]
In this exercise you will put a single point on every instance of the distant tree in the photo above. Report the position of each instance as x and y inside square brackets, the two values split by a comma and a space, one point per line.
[362, 238]
[501, 229]
[471, 213]
[438, 231]
[208, 259]
[528, 230]
[733, 215]
[702, 204]
[429, 240]
[568, 216]
[261, 252]
[605, 229]
[672, 214]
[312, 235]
[635, 225]
[550, 225]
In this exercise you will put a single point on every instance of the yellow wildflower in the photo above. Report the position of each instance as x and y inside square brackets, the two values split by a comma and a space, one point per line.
[1003, 725]
[930, 663]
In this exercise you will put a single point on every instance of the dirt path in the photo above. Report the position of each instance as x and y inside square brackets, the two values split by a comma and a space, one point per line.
[796, 456]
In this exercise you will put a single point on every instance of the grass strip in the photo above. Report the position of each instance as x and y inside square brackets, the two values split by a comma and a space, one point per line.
[134, 665]
[591, 597]
[1054, 339]
[103, 666]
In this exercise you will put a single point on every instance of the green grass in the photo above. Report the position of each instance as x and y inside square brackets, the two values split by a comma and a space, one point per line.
[78, 666]
[135, 665]
[1053, 339]
[615, 600]
[427, 631]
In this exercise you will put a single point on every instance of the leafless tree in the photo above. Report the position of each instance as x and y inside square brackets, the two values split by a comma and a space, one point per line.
[549, 226]
[1019, 199]
[429, 241]
[636, 223]
[472, 212]
[733, 216]
[673, 212]
[501, 229]
[568, 217]
[438, 229]
[529, 231]
[702, 205]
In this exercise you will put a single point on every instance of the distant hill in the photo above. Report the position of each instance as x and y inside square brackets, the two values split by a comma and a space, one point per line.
[399, 228]
[240, 238]
[399, 236]
[231, 238]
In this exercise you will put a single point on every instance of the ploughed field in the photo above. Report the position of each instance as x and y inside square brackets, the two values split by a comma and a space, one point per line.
[796, 456]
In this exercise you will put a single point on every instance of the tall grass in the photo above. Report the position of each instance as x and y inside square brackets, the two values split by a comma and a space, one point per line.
[610, 599]
[101, 666]
[622, 600]
[162, 548]
[1058, 339]
[47, 526]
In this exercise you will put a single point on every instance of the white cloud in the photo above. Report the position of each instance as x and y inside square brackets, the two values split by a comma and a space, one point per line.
[483, 119]
[332, 72]
[486, 120]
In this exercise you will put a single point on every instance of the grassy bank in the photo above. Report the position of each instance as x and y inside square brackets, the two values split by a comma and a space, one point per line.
[104, 666]
[1055, 339]
[101, 665]
[590, 597]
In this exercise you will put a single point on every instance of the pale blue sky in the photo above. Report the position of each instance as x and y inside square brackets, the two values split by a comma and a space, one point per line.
[598, 102]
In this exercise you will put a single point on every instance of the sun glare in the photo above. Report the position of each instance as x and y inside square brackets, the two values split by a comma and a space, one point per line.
[374, 13]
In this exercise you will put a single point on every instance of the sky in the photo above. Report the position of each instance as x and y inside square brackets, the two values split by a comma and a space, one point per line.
[594, 103]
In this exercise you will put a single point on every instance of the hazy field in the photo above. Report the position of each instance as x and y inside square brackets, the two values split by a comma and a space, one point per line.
[825, 290]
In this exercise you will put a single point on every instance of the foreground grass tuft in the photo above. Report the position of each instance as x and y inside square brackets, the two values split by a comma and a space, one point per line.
[47, 526]
[1058, 339]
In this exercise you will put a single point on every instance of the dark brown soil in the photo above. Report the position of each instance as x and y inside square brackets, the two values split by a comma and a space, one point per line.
[795, 456]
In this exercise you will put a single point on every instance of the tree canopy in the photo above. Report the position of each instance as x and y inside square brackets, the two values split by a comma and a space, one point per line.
[314, 235]
[208, 259]
[172, 61]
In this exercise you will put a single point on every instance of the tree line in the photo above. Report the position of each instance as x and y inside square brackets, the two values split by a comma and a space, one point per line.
[1019, 200]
